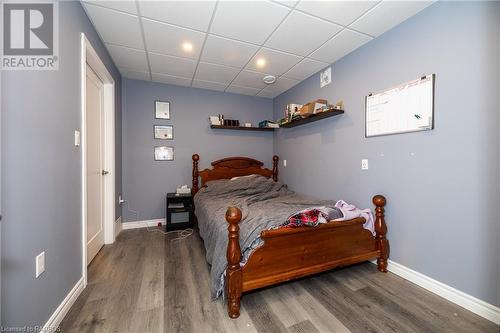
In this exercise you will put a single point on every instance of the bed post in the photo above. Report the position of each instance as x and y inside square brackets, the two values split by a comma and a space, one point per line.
[381, 231]
[194, 188]
[275, 167]
[233, 272]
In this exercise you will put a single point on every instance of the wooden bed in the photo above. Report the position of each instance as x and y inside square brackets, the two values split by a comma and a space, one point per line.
[290, 253]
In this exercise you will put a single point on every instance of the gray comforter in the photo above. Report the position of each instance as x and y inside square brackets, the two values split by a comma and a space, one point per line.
[264, 204]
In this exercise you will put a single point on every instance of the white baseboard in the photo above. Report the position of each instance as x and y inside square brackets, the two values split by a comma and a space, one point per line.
[63, 308]
[118, 226]
[453, 295]
[142, 224]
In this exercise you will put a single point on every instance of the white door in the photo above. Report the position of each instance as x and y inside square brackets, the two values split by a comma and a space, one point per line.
[95, 150]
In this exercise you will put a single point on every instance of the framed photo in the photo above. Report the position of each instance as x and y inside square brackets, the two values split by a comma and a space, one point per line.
[164, 132]
[164, 153]
[162, 110]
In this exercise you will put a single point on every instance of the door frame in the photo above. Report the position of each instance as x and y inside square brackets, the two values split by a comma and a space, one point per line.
[89, 56]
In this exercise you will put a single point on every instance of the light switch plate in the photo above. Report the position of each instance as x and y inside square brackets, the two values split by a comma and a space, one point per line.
[77, 138]
[40, 264]
[284, 163]
[364, 164]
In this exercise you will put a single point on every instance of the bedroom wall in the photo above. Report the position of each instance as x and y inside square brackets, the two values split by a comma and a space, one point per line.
[442, 185]
[145, 181]
[41, 170]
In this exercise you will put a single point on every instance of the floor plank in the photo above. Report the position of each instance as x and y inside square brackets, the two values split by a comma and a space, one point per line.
[145, 283]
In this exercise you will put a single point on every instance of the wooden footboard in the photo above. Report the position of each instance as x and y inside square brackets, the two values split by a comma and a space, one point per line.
[291, 253]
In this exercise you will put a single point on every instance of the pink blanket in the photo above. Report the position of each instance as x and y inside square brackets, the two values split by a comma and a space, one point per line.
[350, 212]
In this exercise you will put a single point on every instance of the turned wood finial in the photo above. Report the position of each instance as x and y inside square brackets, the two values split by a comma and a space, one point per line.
[233, 271]
[381, 230]
[194, 188]
[275, 167]
[379, 200]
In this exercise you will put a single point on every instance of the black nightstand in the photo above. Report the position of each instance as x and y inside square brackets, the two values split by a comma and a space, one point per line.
[180, 211]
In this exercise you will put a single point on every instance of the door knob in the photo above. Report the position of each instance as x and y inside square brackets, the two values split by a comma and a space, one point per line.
[104, 172]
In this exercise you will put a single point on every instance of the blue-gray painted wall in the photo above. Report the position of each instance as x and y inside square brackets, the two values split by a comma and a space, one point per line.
[41, 176]
[145, 181]
[442, 185]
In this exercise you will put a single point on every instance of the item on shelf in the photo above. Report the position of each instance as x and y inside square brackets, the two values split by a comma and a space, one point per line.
[248, 124]
[292, 109]
[221, 119]
[339, 105]
[312, 107]
[231, 122]
[184, 189]
[214, 120]
[269, 124]
[282, 121]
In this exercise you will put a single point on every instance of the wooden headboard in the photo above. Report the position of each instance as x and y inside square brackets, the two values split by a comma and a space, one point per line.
[230, 167]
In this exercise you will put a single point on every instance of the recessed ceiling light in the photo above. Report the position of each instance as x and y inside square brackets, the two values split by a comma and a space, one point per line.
[188, 47]
[261, 62]
[268, 79]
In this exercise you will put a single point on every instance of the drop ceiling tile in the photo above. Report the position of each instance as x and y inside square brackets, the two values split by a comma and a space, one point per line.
[289, 3]
[277, 62]
[242, 90]
[227, 52]
[281, 85]
[168, 39]
[340, 45]
[163, 64]
[305, 68]
[341, 12]
[209, 85]
[248, 21]
[190, 14]
[124, 6]
[301, 34]
[128, 58]
[116, 27]
[170, 79]
[387, 15]
[215, 73]
[267, 94]
[250, 79]
[136, 75]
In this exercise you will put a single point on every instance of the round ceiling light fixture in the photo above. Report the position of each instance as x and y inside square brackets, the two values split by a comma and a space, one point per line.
[187, 46]
[269, 79]
[261, 62]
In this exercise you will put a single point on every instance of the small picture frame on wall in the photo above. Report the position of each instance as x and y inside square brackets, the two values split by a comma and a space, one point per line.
[162, 110]
[164, 153]
[164, 132]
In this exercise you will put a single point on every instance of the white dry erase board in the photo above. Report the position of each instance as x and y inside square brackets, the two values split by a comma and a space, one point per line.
[408, 107]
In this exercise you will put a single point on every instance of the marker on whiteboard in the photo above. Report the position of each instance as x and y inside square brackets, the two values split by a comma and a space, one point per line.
[417, 116]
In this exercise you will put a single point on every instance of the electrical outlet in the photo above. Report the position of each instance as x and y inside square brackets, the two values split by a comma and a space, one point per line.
[284, 163]
[364, 164]
[39, 264]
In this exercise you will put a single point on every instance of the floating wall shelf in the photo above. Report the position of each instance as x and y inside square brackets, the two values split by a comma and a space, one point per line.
[314, 117]
[242, 128]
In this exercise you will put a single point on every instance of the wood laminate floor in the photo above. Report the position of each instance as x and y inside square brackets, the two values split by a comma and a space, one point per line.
[146, 283]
